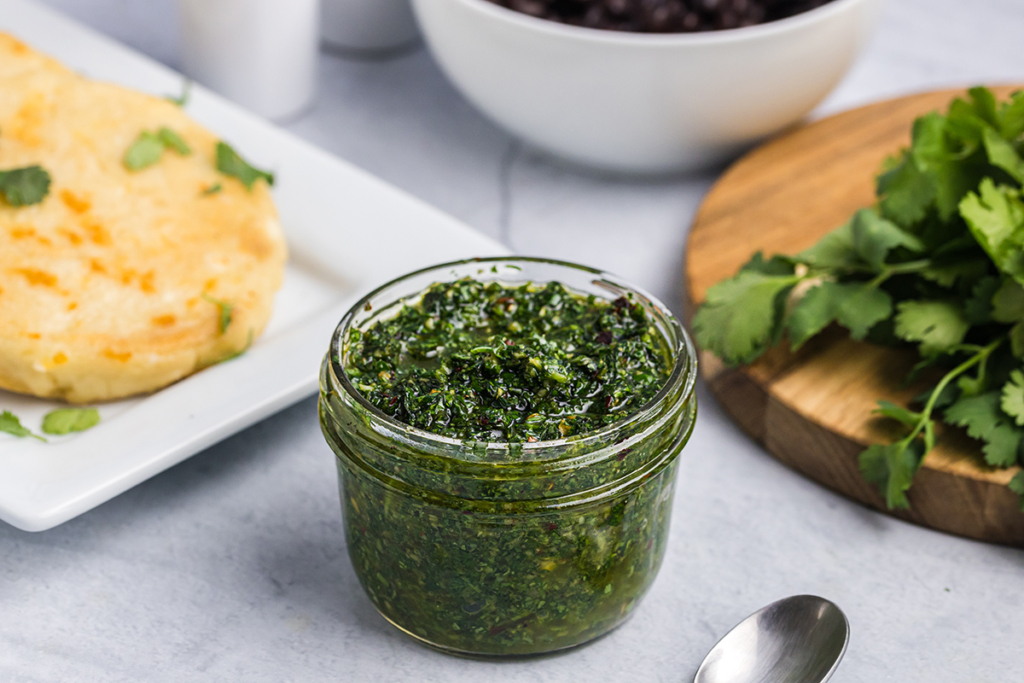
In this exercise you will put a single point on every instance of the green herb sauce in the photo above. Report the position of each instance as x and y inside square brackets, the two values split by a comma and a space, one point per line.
[480, 361]
[478, 548]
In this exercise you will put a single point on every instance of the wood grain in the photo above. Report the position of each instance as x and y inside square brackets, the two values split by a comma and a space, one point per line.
[812, 409]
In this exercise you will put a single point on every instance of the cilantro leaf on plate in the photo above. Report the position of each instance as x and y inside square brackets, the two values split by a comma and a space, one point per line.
[1003, 155]
[25, 186]
[148, 148]
[10, 424]
[230, 163]
[145, 151]
[67, 420]
[172, 140]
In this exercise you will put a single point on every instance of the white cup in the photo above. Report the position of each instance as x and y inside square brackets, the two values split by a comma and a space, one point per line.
[260, 53]
[371, 25]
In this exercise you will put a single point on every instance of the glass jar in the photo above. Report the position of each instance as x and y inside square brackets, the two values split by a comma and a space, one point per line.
[506, 548]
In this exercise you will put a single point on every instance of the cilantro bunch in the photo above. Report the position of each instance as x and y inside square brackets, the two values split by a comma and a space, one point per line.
[936, 263]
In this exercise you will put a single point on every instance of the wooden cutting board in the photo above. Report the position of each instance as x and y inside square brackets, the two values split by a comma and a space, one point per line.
[812, 409]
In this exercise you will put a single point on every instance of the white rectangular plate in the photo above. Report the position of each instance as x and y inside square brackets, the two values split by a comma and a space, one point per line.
[348, 233]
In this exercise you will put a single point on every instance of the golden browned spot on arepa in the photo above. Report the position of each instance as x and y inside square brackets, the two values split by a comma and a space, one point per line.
[102, 282]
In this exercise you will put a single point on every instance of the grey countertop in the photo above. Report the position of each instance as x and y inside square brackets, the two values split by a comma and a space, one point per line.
[232, 565]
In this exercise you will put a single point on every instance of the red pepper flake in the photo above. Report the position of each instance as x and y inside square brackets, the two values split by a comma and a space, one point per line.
[531, 439]
[620, 303]
[552, 526]
[604, 337]
[623, 453]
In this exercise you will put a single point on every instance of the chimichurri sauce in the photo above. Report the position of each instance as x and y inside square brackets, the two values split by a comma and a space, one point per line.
[482, 361]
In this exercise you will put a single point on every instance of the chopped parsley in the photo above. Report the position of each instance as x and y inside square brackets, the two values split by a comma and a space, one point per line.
[231, 164]
[24, 186]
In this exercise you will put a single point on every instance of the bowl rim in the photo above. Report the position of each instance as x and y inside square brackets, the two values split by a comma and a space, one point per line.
[633, 39]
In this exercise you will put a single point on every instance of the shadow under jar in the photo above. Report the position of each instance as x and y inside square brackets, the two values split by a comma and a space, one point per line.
[506, 549]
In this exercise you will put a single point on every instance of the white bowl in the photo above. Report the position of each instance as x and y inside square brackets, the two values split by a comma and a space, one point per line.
[643, 102]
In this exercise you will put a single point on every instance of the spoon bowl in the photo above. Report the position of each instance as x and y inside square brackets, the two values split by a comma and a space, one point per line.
[800, 639]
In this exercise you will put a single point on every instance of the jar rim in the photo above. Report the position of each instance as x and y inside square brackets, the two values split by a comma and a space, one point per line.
[684, 367]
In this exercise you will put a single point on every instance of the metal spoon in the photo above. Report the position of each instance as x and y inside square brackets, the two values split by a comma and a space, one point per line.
[800, 639]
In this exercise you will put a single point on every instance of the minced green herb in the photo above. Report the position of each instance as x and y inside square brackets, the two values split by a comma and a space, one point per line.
[25, 186]
[481, 361]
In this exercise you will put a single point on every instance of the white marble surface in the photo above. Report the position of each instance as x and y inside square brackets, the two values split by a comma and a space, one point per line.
[232, 565]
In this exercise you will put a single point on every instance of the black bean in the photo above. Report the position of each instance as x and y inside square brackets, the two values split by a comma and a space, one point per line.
[662, 16]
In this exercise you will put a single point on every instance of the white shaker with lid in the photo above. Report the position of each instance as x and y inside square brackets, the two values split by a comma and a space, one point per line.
[260, 53]
[368, 25]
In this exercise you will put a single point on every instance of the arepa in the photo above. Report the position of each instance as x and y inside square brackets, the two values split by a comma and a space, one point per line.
[120, 282]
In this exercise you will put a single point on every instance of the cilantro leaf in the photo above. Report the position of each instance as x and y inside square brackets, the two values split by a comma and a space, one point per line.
[856, 306]
[67, 420]
[24, 186]
[834, 251]
[225, 310]
[938, 325]
[1017, 486]
[10, 424]
[940, 158]
[874, 237]
[145, 151]
[892, 467]
[995, 216]
[172, 140]
[1012, 400]
[984, 419]
[1011, 116]
[231, 164]
[739, 318]
[1003, 155]
[1008, 302]
[905, 192]
[212, 189]
[978, 306]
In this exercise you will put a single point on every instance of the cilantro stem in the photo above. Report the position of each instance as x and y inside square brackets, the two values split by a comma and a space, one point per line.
[899, 269]
[980, 357]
